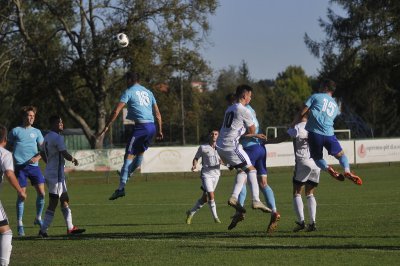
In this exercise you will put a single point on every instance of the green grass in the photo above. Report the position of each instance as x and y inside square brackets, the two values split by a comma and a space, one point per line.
[356, 225]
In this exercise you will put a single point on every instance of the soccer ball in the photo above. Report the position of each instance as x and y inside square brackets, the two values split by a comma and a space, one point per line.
[122, 40]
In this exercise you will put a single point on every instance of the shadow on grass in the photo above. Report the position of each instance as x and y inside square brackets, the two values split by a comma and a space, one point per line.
[226, 240]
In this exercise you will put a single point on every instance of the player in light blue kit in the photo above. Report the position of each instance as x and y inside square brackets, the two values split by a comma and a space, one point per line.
[142, 108]
[254, 146]
[322, 109]
[24, 142]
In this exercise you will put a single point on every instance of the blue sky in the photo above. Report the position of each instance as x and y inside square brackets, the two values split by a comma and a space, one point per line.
[267, 34]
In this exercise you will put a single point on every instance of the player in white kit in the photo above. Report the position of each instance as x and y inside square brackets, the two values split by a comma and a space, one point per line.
[210, 173]
[237, 120]
[7, 170]
[306, 175]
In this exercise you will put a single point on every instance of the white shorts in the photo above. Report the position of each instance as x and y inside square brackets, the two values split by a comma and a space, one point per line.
[306, 170]
[234, 156]
[209, 182]
[3, 215]
[56, 187]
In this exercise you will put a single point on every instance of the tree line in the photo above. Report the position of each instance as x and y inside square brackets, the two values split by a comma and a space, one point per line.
[61, 56]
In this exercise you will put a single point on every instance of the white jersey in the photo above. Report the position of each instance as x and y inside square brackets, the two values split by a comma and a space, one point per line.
[210, 160]
[237, 119]
[6, 162]
[300, 142]
[305, 168]
[53, 146]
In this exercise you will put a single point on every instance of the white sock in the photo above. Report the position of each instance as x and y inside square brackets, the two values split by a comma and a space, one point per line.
[298, 207]
[213, 208]
[239, 183]
[20, 223]
[66, 211]
[5, 247]
[255, 190]
[48, 218]
[312, 207]
[197, 206]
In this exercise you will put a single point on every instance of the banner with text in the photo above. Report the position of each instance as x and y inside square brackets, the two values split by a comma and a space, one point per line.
[377, 150]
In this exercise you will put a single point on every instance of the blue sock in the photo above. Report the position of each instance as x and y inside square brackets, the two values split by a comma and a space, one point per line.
[344, 162]
[124, 173]
[321, 163]
[135, 163]
[242, 195]
[20, 209]
[269, 197]
[39, 205]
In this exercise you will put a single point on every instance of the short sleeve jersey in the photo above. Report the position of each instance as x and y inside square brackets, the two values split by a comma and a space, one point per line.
[247, 142]
[209, 156]
[25, 142]
[210, 160]
[300, 142]
[6, 162]
[139, 101]
[53, 146]
[236, 120]
[323, 111]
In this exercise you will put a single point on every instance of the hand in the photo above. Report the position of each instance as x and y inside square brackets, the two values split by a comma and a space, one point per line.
[34, 159]
[159, 136]
[22, 194]
[193, 168]
[261, 137]
[75, 161]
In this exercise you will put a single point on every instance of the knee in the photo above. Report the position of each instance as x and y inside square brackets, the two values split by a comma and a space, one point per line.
[262, 181]
[340, 154]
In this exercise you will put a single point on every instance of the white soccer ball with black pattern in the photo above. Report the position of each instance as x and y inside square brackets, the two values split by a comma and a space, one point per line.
[122, 40]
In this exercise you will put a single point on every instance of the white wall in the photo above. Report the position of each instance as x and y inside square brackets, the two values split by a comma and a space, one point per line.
[179, 159]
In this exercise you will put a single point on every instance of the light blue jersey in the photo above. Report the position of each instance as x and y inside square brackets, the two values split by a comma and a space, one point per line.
[139, 101]
[323, 111]
[247, 142]
[25, 143]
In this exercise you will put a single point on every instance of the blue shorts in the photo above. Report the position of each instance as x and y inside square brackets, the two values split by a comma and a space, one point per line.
[142, 136]
[258, 157]
[317, 142]
[23, 172]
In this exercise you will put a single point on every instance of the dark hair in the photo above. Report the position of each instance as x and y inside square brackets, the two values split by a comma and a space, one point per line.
[328, 85]
[25, 109]
[134, 76]
[230, 97]
[54, 118]
[3, 133]
[241, 89]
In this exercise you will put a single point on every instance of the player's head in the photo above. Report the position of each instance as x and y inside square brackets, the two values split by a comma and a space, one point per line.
[213, 135]
[3, 134]
[243, 93]
[56, 123]
[230, 98]
[28, 114]
[132, 77]
[328, 85]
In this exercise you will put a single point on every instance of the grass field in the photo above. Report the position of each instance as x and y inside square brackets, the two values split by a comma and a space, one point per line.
[356, 225]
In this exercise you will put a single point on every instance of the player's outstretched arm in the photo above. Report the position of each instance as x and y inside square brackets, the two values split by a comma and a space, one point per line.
[114, 114]
[157, 114]
[69, 157]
